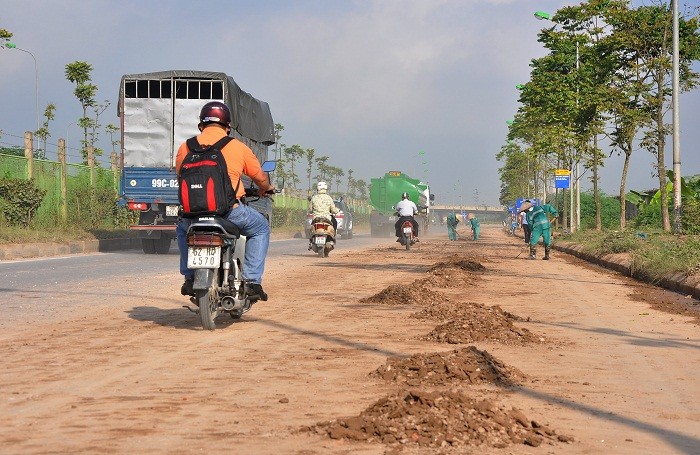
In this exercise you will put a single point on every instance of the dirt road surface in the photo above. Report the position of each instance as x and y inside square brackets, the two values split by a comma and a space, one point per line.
[452, 347]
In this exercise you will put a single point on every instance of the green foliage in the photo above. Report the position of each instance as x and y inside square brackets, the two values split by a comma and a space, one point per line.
[648, 217]
[690, 216]
[613, 242]
[96, 208]
[515, 179]
[609, 211]
[288, 217]
[668, 254]
[19, 200]
[4, 37]
[14, 151]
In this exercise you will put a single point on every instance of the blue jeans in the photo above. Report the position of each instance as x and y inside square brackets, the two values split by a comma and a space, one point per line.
[257, 231]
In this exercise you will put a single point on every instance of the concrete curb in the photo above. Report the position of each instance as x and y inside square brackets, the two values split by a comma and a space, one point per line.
[678, 282]
[35, 250]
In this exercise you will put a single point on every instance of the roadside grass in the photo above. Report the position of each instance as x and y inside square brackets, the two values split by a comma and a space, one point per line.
[57, 234]
[653, 253]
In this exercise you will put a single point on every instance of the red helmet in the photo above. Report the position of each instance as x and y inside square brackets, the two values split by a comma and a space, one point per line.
[215, 112]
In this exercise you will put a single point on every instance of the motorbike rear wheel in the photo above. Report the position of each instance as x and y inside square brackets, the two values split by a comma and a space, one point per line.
[407, 242]
[208, 306]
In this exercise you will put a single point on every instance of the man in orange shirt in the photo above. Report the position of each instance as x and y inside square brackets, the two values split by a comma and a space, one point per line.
[214, 124]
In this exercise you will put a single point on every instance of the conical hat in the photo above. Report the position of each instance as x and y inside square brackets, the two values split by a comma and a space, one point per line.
[525, 205]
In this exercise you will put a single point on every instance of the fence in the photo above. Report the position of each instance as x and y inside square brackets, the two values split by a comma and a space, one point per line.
[86, 195]
[297, 199]
[76, 194]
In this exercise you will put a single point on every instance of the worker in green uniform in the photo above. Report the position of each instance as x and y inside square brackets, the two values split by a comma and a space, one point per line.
[539, 222]
[474, 221]
[452, 222]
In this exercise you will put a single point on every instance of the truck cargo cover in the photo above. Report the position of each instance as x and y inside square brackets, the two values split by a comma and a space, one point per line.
[250, 117]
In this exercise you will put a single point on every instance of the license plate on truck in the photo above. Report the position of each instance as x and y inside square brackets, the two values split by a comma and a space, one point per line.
[171, 210]
[203, 257]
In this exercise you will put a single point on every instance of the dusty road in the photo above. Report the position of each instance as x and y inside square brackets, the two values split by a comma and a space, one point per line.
[573, 360]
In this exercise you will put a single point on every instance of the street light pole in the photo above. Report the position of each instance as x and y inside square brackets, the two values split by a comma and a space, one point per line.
[676, 126]
[36, 77]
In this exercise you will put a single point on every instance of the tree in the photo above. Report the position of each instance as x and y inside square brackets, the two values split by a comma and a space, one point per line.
[645, 34]
[361, 186]
[292, 154]
[309, 154]
[335, 174]
[322, 167]
[43, 132]
[94, 125]
[4, 37]
[280, 173]
[79, 73]
[514, 174]
[112, 130]
[278, 145]
[350, 183]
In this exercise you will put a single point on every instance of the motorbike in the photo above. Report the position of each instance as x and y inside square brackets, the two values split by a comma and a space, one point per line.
[216, 251]
[322, 239]
[407, 239]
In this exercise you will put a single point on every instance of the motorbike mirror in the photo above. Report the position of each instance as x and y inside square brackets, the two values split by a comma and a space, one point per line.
[269, 166]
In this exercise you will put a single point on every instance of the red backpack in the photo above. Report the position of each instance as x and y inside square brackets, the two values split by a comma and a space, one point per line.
[204, 184]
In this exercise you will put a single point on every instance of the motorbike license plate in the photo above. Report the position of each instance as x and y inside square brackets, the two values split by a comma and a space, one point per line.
[407, 230]
[203, 257]
[320, 240]
[171, 210]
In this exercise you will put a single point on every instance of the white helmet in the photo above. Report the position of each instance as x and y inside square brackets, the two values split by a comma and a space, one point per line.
[322, 186]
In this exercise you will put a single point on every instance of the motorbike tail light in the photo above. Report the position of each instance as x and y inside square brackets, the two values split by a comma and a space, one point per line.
[137, 206]
[320, 226]
[204, 239]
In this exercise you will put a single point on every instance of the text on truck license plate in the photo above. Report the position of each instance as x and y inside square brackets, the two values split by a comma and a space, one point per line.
[171, 210]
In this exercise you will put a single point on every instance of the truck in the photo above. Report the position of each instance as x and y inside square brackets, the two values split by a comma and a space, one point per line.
[158, 111]
[385, 192]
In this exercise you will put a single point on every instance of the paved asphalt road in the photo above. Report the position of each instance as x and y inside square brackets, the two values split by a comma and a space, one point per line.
[38, 273]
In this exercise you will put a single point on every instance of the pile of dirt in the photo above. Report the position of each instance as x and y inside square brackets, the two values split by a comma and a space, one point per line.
[473, 322]
[401, 294]
[456, 272]
[460, 310]
[468, 365]
[440, 419]
[464, 264]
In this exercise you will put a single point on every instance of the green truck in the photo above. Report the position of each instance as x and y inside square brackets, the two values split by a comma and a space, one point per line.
[385, 192]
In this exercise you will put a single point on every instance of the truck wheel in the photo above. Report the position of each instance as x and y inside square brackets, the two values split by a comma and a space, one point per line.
[349, 234]
[162, 245]
[148, 246]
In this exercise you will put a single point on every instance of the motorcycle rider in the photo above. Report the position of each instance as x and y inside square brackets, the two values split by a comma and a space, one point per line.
[321, 205]
[406, 209]
[214, 124]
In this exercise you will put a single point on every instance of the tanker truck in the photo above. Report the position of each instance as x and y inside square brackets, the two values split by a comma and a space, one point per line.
[385, 192]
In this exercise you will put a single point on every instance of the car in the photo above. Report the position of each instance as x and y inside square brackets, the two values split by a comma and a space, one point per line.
[343, 217]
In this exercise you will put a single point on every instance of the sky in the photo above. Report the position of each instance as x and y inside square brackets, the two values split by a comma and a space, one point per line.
[420, 86]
